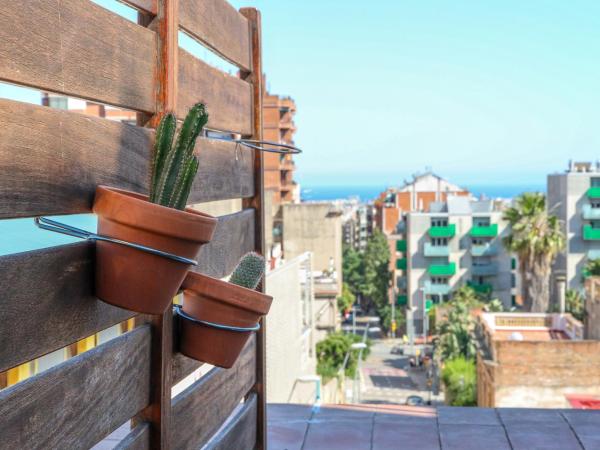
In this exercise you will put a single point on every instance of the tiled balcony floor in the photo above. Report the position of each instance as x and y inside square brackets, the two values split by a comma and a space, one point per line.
[391, 427]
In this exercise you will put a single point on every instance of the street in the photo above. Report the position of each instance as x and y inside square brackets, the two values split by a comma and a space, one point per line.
[388, 378]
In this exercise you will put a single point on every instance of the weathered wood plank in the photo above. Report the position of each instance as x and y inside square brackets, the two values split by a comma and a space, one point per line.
[183, 366]
[51, 161]
[228, 99]
[240, 431]
[220, 27]
[56, 297]
[47, 302]
[233, 238]
[137, 439]
[144, 6]
[200, 410]
[76, 404]
[78, 48]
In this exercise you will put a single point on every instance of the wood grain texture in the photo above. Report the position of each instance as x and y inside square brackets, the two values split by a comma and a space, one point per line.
[144, 6]
[78, 48]
[240, 431]
[200, 410]
[257, 202]
[137, 439]
[76, 404]
[47, 302]
[183, 366]
[233, 238]
[228, 99]
[220, 27]
[51, 161]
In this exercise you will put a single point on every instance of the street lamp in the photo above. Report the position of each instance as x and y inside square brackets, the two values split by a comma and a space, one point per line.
[357, 346]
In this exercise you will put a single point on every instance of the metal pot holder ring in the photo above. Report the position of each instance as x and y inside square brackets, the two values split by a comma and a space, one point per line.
[57, 227]
[179, 311]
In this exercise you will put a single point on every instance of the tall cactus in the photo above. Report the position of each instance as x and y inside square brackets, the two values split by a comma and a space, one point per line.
[249, 271]
[175, 166]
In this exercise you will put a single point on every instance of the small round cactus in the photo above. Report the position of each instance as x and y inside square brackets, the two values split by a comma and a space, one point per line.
[249, 271]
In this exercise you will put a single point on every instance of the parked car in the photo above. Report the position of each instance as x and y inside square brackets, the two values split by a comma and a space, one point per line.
[415, 400]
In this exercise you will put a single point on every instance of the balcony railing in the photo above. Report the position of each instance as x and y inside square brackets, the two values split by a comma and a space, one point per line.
[481, 288]
[591, 234]
[590, 213]
[442, 270]
[401, 264]
[485, 231]
[593, 192]
[436, 289]
[447, 231]
[401, 245]
[484, 250]
[436, 250]
[484, 269]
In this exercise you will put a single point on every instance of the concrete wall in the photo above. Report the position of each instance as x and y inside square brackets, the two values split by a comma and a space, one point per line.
[540, 374]
[315, 228]
[290, 333]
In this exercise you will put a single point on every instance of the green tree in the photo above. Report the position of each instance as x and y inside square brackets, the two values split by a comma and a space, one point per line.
[332, 351]
[494, 306]
[346, 300]
[592, 268]
[455, 333]
[459, 376]
[352, 269]
[575, 303]
[376, 274]
[385, 318]
[536, 237]
[466, 295]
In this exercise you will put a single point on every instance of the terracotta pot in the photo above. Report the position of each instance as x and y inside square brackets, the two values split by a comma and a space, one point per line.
[206, 298]
[134, 279]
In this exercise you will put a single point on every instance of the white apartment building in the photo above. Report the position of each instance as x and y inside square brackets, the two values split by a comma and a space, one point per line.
[458, 242]
[574, 196]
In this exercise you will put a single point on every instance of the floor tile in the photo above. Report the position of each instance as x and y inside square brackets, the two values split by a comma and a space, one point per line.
[468, 416]
[389, 436]
[538, 436]
[286, 436]
[339, 435]
[473, 437]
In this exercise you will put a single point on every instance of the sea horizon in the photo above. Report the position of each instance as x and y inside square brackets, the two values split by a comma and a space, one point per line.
[367, 193]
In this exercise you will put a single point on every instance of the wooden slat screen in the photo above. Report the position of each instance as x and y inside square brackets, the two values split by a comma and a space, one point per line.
[82, 400]
[78, 48]
[51, 161]
[220, 27]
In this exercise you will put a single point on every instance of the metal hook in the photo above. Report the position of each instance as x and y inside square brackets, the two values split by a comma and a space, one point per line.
[179, 311]
[57, 227]
[254, 144]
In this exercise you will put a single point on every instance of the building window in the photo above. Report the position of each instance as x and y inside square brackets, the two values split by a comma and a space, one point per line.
[513, 300]
[439, 280]
[439, 222]
[595, 182]
[439, 242]
[481, 221]
[58, 102]
[595, 204]
[513, 280]
[595, 224]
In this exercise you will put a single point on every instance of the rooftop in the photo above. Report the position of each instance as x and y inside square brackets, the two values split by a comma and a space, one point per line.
[383, 427]
[531, 326]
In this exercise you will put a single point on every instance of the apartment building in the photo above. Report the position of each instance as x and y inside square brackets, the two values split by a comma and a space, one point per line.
[278, 126]
[414, 195]
[356, 224]
[455, 243]
[574, 196]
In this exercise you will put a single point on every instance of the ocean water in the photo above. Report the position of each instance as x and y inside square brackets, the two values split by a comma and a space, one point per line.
[366, 193]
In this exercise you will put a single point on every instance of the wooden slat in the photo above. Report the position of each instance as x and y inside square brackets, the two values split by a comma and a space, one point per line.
[183, 366]
[228, 99]
[78, 48]
[200, 410]
[76, 404]
[220, 27]
[240, 431]
[233, 238]
[144, 6]
[47, 302]
[51, 161]
[137, 439]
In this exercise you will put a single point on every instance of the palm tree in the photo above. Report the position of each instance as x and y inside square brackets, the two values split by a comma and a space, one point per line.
[592, 268]
[536, 237]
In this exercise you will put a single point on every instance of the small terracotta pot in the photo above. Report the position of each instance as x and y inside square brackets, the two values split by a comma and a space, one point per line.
[134, 279]
[208, 299]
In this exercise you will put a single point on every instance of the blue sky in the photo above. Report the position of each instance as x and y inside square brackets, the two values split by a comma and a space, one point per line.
[483, 92]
